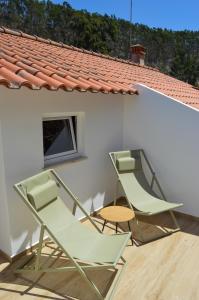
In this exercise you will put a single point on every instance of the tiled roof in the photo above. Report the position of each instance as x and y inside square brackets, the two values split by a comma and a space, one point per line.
[34, 62]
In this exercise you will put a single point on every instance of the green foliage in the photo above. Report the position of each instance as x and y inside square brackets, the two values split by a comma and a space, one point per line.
[185, 65]
[174, 52]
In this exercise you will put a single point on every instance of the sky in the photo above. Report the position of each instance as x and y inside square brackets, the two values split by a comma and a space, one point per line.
[170, 14]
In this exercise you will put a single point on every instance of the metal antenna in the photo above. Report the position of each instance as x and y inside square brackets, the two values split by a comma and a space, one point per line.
[131, 19]
[131, 10]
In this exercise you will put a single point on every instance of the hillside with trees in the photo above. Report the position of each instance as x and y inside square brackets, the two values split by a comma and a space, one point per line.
[173, 52]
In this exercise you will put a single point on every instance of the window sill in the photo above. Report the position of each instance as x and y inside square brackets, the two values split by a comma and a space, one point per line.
[63, 161]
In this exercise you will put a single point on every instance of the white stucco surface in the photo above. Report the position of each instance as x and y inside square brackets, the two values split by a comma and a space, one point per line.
[91, 179]
[5, 244]
[166, 129]
[168, 132]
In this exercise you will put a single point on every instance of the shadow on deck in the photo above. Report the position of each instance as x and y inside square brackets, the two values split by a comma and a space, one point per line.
[156, 270]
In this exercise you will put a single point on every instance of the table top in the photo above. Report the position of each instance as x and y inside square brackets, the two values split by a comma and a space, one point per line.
[117, 213]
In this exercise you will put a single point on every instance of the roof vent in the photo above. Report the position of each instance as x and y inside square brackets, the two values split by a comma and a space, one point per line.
[137, 54]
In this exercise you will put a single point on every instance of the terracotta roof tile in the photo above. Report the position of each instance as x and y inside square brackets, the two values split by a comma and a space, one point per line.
[13, 80]
[67, 83]
[34, 62]
[52, 83]
[27, 67]
[36, 81]
[12, 67]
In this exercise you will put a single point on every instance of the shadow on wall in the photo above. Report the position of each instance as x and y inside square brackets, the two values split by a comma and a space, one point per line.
[25, 228]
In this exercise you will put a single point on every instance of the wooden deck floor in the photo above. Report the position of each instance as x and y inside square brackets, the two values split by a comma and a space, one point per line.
[165, 269]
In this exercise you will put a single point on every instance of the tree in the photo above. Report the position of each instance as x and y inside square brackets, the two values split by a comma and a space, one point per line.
[174, 52]
[185, 66]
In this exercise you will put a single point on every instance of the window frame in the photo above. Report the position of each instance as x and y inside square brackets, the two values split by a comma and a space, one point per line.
[48, 158]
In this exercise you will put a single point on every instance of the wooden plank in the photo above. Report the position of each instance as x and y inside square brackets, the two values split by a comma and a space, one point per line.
[165, 269]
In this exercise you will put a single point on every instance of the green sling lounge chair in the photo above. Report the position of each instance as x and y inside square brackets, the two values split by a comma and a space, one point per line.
[140, 195]
[84, 248]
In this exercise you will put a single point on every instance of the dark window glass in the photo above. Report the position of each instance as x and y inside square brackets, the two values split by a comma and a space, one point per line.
[57, 137]
[74, 120]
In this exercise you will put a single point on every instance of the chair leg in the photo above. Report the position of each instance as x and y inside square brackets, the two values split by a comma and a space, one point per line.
[91, 284]
[103, 225]
[39, 248]
[140, 231]
[130, 230]
[174, 220]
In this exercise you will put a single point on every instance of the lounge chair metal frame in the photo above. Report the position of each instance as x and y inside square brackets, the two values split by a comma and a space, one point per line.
[80, 266]
[153, 181]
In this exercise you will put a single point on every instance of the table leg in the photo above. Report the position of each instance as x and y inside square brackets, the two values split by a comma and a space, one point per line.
[116, 226]
[131, 232]
[103, 225]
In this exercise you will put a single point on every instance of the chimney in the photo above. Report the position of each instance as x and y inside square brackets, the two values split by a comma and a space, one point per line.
[137, 54]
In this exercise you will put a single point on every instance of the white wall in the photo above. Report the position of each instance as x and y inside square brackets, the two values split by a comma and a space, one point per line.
[91, 179]
[165, 129]
[5, 242]
[168, 132]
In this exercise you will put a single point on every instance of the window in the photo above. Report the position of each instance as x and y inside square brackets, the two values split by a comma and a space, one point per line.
[59, 137]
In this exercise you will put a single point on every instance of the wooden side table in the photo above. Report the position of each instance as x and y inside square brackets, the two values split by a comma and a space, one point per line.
[117, 214]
